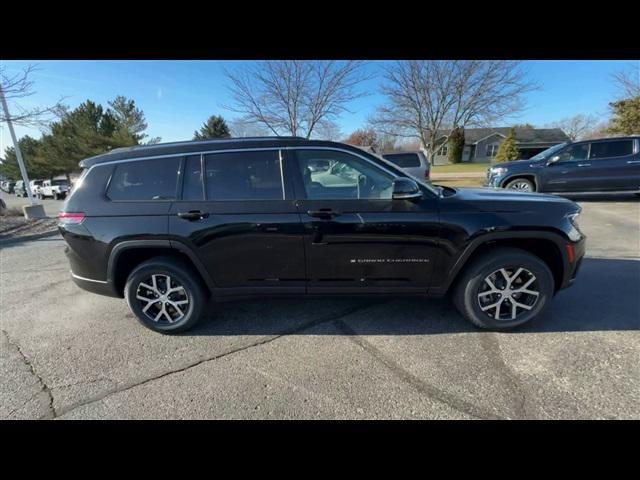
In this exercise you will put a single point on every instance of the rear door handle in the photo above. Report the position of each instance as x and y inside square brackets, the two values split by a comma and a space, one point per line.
[325, 213]
[633, 161]
[584, 164]
[193, 215]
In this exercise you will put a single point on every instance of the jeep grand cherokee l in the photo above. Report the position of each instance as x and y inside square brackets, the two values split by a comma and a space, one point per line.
[172, 226]
[604, 165]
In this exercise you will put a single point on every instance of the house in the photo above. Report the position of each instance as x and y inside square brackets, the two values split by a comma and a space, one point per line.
[481, 144]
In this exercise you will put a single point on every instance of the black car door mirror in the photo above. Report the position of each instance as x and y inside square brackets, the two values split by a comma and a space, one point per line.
[405, 189]
[553, 160]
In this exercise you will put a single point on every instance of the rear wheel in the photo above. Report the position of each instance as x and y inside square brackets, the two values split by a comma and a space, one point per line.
[503, 289]
[165, 295]
[521, 185]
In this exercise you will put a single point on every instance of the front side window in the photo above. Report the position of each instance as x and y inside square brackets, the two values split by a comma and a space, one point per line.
[244, 175]
[575, 153]
[145, 180]
[192, 188]
[348, 177]
[616, 148]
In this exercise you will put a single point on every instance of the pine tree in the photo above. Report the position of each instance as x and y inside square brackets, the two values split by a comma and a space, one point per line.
[456, 145]
[509, 149]
[626, 116]
[215, 127]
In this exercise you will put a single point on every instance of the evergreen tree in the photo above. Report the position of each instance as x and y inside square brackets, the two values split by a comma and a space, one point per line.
[626, 116]
[214, 127]
[509, 149]
[456, 145]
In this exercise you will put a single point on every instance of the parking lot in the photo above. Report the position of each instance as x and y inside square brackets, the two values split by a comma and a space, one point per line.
[69, 354]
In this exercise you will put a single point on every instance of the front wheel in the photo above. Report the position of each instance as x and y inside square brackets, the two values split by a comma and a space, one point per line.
[521, 185]
[165, 295]
[504, 288]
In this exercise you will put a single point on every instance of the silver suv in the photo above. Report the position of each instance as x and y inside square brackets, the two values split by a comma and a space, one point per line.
[415, 164]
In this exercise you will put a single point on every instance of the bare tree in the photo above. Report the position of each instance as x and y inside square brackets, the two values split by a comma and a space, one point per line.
[487, 91]
[17, 86]
[576, 127]
[629, 80]
[242, 127]
[328, 130]
[420, 96]
[425, 97]
[294, 97]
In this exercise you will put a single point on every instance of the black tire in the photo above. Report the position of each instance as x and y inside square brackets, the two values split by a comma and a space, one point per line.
[178, 271]
[56, 196]
[517, 182]
[468, 288]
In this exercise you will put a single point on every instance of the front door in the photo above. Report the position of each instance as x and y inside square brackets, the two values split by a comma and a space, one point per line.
[570, 173]
[239, 216]
[356, 237]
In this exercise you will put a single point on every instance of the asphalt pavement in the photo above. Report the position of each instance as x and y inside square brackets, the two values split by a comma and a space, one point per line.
[69, 354]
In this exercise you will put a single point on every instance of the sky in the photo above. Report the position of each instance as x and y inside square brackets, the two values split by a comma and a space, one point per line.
[178, 96]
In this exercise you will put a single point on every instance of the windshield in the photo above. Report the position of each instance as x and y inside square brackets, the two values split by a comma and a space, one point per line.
[548, 152]
[59, 182]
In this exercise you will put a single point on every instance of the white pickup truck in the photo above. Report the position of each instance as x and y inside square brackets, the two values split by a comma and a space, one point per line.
[57, 189]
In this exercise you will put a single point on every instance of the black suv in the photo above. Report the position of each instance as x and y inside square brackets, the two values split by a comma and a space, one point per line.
[605, 165]
[171, 226]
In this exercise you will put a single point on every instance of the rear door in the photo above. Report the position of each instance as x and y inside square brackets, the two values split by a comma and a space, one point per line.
[357, 238]
[239, 216]
[613, 166]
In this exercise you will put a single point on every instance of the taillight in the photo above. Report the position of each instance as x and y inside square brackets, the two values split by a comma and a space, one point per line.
[427, 173]
[69, 218]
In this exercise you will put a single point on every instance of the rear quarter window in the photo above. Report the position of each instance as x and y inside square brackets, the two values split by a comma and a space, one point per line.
[404, 160]
[145, 180]
[617, 148]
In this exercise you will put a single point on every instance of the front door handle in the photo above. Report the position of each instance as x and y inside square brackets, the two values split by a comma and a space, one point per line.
[193, 215]
[584, 164]
[324, 213]
[633, 161]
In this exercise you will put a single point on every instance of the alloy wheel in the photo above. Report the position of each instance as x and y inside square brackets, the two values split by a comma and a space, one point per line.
[162, 298]
[521, 186]
[508, 293]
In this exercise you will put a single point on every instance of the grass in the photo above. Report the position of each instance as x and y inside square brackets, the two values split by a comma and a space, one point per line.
[461, 182]
[460, 168]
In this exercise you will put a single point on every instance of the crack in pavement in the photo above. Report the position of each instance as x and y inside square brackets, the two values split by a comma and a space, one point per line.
[420, 385]
[491, 345]
[292, 331]
[51, 413]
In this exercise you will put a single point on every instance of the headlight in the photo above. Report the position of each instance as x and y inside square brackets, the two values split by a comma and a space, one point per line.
[575, 234]
[498, 170]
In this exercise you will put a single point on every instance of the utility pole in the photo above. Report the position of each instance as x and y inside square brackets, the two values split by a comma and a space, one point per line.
[34, 210]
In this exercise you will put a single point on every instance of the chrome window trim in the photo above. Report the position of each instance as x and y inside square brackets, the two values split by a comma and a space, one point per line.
[262, 149]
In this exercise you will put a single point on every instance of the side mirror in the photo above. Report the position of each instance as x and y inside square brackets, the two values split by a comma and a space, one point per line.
[553, 160]
[405, 189]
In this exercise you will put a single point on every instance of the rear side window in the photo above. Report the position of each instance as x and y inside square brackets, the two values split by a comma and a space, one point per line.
[404, 160]
[145, 180]
[243, 176]
[617, 148]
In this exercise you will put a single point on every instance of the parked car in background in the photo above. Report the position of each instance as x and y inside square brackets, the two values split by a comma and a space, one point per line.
[414, 163]
[603, 165]
[7, 186]
[19, 189]
[35, 186]
[171, 226]
[57, 189]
